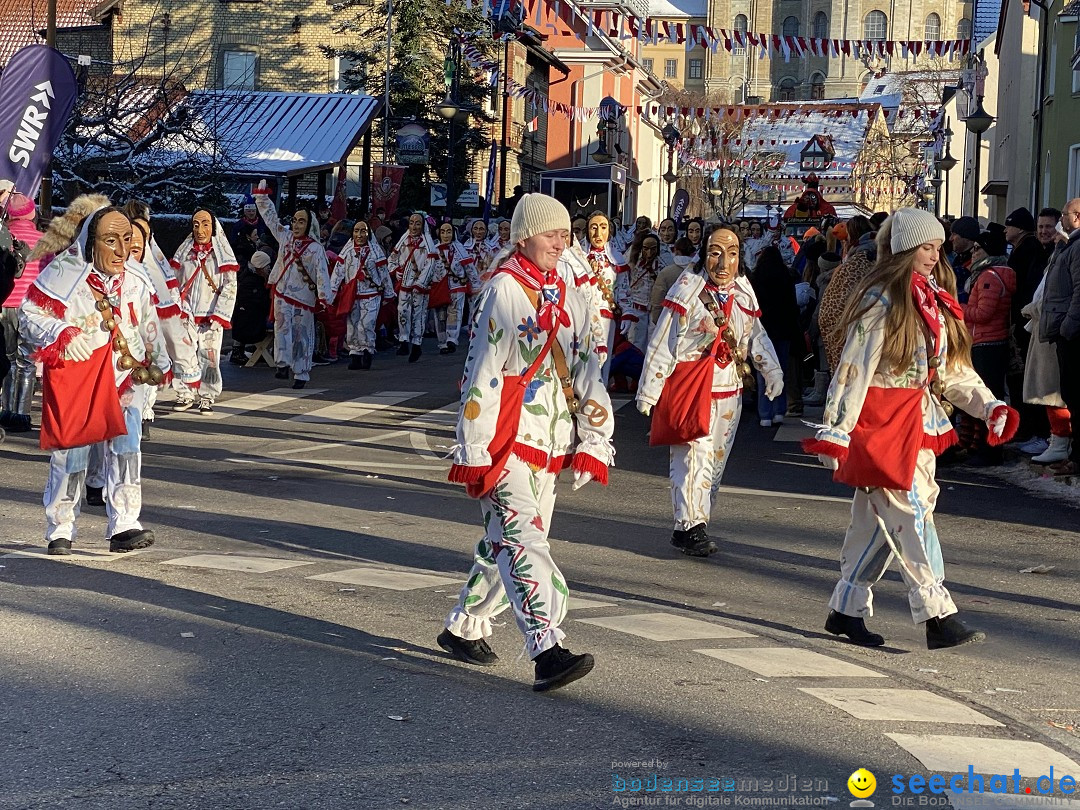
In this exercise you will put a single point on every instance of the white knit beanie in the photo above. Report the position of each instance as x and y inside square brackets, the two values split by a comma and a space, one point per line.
[912, 227]
[260, 260]
[537, 213]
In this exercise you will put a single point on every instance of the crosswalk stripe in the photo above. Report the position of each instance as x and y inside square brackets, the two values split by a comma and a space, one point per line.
[354, 408]
[904, 705]
[443, 417]
[251, 402]
[790, 662]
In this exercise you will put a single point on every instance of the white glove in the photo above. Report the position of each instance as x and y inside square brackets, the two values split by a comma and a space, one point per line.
[262, 185]
[774, 386]
[997, 424]
[644, 408]
[828, 462]
[78, 349]
[624, 328]
[580, 480]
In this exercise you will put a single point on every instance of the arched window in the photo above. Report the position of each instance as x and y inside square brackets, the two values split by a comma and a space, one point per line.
[821, 25]
[963, 29]
[740, 28]
[786, 91]
[791, 27]
[876, 25]
[817, 86]
[933, 28]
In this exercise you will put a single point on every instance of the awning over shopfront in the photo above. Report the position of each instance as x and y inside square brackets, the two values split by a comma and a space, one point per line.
[284, 134]
[587, 188]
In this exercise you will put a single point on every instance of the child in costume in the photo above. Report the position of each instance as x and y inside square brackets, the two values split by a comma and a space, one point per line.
[532, 405]
[360, 276]
[710, 315]
[905, 364]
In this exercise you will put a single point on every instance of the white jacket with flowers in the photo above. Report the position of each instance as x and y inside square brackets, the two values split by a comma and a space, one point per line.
[366, 267]
[205, 279]
[861, 368]
[506, 339]
[301, 261]
[413, 264]
[455, 262]
[686, 330]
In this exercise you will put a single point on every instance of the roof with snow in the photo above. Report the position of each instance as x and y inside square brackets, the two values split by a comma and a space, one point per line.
[1071, 9]
[678, 9]
[20, 22]
[987, 13]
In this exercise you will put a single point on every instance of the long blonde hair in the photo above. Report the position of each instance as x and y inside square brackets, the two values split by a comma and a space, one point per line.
[891, 279]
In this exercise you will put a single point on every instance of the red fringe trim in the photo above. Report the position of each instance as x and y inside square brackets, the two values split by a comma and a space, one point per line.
[38, 297]
[168, 311]
[1012, 422]
[939, 444]
[53, 355]
[175, 265]
[819, 447]
[461, 474]
[172, 283]
[293, 301]
[530, 455]
[261, 191]
[126, 385]
[224, 323]
[194, 386]
[167, 379]
[726, 394]
[229, 268]
[584, 463]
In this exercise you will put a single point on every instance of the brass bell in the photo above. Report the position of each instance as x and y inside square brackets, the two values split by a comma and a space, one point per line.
[934, 361]
[119, 343]
[937, 388]
[140, 375]
[126, 362]
[721, 318]
[103, 305]
[572, 405]
[948, 408]
[157, 376]
[728, 335]
[745, 370]
[108, 324]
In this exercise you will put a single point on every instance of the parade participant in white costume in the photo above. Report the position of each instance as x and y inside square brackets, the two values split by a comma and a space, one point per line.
[206, 273]
[477, 246]
[85, 309]
[905, 365]
[520, 424]
[501, 239]
[456, 264]
[668, 233]
[710, 317]
[605, 263]
[360, 276]
[633, 291]
[412, 265]
[300, 284]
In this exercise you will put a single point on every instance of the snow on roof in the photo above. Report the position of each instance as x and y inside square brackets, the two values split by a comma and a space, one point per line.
[678, 9]
[20, 22]
[1071, 9]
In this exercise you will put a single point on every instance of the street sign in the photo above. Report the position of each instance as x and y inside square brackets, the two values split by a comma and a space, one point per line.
[412, 145]
[469, 197]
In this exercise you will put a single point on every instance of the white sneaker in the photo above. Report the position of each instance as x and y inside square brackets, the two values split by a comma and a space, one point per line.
[765, 423]
[1034, 446]
[206, 405]
[778, 420]
[1057, 450]
[183, 404]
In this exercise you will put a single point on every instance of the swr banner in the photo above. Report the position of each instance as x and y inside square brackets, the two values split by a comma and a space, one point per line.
[37, 94]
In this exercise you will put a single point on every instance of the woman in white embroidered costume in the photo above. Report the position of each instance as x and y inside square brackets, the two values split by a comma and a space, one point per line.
[206, 273]
[459, 268]
[300, 284]
[710, 310]
[412, 265]
[531, 389]
[82, 303]
[905, 335]
[633, 290]
[668, 232]
[477, 246]
[605, 263]
[360, 276]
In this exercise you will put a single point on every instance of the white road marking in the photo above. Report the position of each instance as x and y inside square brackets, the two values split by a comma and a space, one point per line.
[229, 562]
[444, 417]
[793, 432]
[581, 603]
[790, 662]
[938, 752]
[907, 705]
[250, 402]
[355, 408]
[666, 627]
[392, 580]
[377, 466]
[799, 496]
[77, 554]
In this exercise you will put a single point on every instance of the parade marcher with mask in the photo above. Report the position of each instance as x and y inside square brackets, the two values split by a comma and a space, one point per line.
[300, 284]
[477, 246]
[518, 427]
[205, 269]
[501, 240]
[358, 286]
[605, 263]
[633, 290]
[94, 326]
[668, 233]
[412, 266]
[710, 323]
[906, 363]
[459, 268]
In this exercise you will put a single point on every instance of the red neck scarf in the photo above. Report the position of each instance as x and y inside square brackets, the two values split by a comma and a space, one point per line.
[107, 286]
[547, 283]
[929, 300]
[199, 251]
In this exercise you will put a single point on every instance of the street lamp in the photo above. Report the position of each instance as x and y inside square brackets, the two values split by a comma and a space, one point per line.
[671, 136]
[977, 122]
[454, 113]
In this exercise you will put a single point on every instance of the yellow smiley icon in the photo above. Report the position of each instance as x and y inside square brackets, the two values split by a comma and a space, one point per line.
[862, 783]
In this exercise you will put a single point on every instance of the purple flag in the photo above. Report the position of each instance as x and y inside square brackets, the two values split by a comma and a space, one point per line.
[37, 94]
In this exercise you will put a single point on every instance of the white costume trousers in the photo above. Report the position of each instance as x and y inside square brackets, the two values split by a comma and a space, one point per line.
[696, 468]
[605, 368]
[95, 466]
[513, 564]
[182, 343]
[294, 338]
[412, 316]
[360, 329]
[638, 332]
[455, 316]
[123, 484]
[888, 523]
[207, 339]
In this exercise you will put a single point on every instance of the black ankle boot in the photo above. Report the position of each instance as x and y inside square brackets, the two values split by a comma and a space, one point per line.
[556, 667]
[414, 353]
[403, 349]
[698, 543]
[949, 631]
[680, 538]
[854, 628]
[365, 360]
[356, 362]
[94, 496]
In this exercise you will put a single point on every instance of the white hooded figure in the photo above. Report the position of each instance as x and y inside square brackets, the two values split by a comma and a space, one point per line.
[299, 283]
[413, 267]
[360, 276]
[477, 246]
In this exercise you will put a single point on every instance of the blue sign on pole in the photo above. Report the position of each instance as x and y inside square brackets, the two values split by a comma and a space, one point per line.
[37, 94]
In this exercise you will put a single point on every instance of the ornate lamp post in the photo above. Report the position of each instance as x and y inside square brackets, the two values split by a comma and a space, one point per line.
[672, 137]
[449, 110]
[977, 122]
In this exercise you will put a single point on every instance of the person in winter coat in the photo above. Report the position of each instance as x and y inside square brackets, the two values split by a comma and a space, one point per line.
[532, 404]
[17, 392]
[906, 346]
[775, 291]
[360, 276]
[252, 310]
[710, 312]
[412, 266]
[682, 257]
[299, 284]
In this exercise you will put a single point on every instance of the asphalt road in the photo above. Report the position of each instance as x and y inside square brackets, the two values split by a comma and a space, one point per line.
[275, 648]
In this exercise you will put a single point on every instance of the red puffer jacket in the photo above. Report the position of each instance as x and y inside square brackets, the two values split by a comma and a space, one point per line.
[988, 309]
